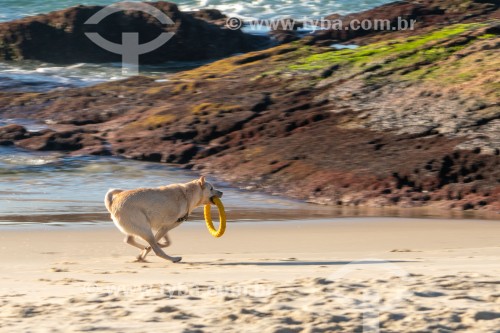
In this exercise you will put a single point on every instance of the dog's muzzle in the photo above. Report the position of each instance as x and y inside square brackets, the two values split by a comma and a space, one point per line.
[218, 194]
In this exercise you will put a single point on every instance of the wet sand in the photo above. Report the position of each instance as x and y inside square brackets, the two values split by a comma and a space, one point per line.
[406, 275]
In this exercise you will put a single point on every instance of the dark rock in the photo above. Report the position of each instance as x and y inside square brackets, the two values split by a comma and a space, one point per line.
[58, 37]
[211, 151]
[468, 206]
[213, 16]
[263, 104]
[62, 141]
[152, 157]
[13, 132]
[329, 71]
[182, 154]
[285, 31]
[284, 36]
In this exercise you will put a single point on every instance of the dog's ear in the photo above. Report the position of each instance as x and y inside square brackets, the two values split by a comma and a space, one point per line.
[202, 181]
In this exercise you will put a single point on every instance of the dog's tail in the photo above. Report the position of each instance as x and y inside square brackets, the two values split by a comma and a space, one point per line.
[108, 199]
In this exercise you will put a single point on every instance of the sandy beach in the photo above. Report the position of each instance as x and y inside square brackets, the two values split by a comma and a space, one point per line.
[346, 275]
[357, 144]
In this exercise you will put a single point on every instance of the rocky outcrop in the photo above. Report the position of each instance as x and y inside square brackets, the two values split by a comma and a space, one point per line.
[401, 122]
[59, 37]
[424, 13]
[73, 140]
[213, 16]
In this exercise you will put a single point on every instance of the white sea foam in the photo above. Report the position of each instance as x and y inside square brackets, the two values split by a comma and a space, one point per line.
[37, 76]
[258, 9]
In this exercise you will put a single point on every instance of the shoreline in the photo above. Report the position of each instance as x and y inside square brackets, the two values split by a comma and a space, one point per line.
[345, 222]
[283, 216]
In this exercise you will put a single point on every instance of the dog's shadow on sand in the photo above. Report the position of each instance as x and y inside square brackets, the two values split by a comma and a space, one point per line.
[304, 263]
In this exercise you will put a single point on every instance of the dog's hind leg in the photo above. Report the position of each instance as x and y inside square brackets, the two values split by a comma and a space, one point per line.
[147, 235]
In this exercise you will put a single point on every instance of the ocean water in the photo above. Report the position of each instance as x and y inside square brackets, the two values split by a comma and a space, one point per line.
[36, 76]
[49, 187]
[261, 9]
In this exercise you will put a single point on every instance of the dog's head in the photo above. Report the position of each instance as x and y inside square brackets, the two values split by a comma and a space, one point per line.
[208, 191]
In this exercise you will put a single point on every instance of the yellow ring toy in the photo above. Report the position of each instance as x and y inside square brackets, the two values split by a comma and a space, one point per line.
[222, 218]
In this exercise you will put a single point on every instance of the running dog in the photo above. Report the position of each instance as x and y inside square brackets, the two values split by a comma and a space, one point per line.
[149, 213]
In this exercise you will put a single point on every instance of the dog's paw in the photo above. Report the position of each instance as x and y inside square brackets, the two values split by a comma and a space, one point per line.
[139, 259]
[176, 259]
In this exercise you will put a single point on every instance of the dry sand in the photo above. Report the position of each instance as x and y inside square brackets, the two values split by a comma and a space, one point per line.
[408, 275]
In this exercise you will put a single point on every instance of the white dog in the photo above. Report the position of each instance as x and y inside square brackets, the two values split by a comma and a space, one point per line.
[137, 213]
